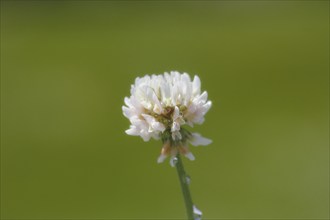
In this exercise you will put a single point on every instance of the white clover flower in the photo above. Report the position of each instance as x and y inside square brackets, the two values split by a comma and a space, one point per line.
[160, 105]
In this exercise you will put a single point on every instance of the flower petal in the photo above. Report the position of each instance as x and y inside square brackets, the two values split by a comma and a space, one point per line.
[176, 135]
[132, 131]
[161, 158]
[175, 126]
[176, 113]
[190, 156]
[198, 139]
[196, 85]
[128, 112]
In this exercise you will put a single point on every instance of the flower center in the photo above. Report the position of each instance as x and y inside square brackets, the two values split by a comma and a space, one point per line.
[166, 117]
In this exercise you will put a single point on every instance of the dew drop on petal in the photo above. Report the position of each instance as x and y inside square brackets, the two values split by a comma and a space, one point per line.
[173, 161]
[197, 213]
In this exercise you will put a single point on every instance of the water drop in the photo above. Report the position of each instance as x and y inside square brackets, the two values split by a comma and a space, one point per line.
[173, 161]
[197, 213]
[188, 179]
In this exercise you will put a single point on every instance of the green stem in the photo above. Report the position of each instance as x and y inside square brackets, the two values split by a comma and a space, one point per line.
[185, 188]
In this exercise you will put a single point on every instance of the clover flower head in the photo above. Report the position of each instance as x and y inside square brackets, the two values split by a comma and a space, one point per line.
[159, 107]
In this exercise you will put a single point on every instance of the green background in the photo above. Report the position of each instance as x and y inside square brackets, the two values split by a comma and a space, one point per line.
[66, 67]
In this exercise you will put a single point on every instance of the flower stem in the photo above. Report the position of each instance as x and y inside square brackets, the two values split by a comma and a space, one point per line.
[185, 188]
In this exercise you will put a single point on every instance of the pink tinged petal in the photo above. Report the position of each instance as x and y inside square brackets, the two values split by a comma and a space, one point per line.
[174, 151]
[198, 139]
[165, 152]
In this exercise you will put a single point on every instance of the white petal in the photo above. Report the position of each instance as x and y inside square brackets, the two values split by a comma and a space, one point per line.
[198, 139]
[132, 131]
[148, 118]
[197, 211]
[176, 113]
[161, 158]
[145, 135]
[206, 107]
[196, 85]
[146, 105]
[175, 126]
[153, 123]
[192, 108]
[176, 135]
[128, 112]
[190, 156]
[158, 126]
[128, 102]
[135, 103]
[156, 103]
[203, 97]
[186, 77]
[174, 94]
[165, 91]
[135, 120]
[187, 88]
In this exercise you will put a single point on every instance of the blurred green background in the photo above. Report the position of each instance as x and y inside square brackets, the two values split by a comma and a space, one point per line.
[66, 67]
